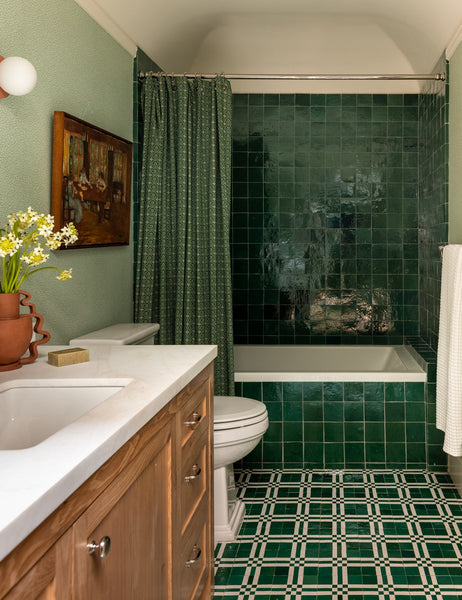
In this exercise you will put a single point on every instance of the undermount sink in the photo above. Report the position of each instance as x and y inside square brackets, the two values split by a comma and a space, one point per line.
[31, 414]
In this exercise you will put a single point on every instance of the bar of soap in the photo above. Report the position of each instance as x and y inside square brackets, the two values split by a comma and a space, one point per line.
[69, 356]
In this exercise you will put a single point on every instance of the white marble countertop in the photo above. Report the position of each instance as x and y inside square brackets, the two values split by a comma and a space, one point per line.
[35, 481]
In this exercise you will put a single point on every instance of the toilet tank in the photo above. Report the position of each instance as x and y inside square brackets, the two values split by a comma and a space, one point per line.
[120, 334]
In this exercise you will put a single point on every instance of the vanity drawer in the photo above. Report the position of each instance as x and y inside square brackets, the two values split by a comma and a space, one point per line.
[194, 561]
[194, 414]
[194, 477]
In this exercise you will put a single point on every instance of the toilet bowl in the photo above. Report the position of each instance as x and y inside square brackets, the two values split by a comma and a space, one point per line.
[238, 426]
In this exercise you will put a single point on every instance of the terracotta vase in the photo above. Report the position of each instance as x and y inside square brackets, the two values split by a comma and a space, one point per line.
[16, 331]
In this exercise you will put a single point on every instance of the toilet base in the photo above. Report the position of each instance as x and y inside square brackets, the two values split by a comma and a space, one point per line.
[228, 532]
[228, 510]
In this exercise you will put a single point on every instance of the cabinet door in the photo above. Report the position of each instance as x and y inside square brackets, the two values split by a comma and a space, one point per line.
[135, 513]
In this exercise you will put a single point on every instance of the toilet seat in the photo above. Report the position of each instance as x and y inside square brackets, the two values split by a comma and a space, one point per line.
[232, 412]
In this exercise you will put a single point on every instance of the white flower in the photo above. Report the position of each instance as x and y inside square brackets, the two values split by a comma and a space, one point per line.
[36, 257]
[9, 244]
[65, 275]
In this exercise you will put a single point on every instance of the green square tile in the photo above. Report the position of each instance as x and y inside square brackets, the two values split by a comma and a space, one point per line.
[314, 431]
[353, 391]
[333, 392]
[354, 411]
[354, 453]
[334, 453]
[374, 431]
[395, 452]
[414, 391]
[252, 390]
[354, 432]
[373, 392]
[313, 455]
[272, 452]
[394, 411]
[415, 432]
[292, 411]
[293, 431]
[333, 411]
[272, 392]
[292, 392]
[395, 432]
[333, 432]
[313, 411]
[375, 452]
[274, 432]
[374, 411]
[274, 411]
[293, 452]
[394, 392]
[415, 411]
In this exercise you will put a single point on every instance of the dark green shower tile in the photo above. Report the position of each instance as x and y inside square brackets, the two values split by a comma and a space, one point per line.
[334, 455]
[333, 392]
[312, 391]
[394, 392]
[313, 432]
[333, 432]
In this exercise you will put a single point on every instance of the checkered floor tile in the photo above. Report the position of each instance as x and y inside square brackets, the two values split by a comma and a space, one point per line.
[361, 535]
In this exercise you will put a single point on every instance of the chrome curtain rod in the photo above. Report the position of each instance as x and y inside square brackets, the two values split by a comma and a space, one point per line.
[301, 77]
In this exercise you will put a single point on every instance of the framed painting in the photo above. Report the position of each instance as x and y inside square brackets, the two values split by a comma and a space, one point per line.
[91, 182]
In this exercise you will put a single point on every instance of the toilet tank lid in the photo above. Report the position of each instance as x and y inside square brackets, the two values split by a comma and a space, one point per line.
[122, 333]
[235, 408]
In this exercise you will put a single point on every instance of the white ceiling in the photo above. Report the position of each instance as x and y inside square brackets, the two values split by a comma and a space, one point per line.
[289, 36]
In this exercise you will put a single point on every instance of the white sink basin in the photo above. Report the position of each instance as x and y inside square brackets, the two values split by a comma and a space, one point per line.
[31, 414]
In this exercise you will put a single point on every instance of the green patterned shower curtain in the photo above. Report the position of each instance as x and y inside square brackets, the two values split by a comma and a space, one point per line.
[183, 278]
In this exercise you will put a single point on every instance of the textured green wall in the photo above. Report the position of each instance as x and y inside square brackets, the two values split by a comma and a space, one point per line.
[82, 71]
[455, 148]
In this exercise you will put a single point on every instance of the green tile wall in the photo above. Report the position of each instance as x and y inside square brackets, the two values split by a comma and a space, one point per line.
[324, 230]
[436, 458]
[344, 425]
[433, 200]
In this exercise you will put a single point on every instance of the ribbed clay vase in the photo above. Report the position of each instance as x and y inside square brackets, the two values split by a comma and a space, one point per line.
[16, 331]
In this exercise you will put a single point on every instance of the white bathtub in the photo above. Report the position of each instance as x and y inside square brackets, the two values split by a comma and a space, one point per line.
[327, 363]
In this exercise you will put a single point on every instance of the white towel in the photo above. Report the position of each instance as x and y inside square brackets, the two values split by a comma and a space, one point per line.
[449, 361]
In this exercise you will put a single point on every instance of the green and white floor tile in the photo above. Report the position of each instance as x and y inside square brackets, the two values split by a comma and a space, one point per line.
[361, 535]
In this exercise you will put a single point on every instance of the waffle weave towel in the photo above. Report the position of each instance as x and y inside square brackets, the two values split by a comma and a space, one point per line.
[449, 362]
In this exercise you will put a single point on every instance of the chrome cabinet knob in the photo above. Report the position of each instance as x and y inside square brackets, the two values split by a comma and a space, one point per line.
[195, 419]
[195, 472]
[196, 552]
[101, 549]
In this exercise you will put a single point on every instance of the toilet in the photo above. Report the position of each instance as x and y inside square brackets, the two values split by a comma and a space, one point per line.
[238, 426]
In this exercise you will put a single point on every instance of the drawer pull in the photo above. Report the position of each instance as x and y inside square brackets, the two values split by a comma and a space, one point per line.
[196, 554]
[195, 419]
[196, 471]
[102, 548]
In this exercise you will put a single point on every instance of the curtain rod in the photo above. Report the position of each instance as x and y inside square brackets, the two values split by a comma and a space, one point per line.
[303, 77]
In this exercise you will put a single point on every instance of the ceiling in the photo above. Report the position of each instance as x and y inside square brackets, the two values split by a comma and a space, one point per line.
[293, 36]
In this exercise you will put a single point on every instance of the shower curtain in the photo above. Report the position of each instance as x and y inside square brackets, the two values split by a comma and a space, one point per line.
[183, 275]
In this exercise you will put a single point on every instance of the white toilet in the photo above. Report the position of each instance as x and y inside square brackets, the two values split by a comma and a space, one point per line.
[238, 426]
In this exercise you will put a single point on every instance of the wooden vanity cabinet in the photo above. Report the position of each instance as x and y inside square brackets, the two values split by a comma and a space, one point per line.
[152, 499]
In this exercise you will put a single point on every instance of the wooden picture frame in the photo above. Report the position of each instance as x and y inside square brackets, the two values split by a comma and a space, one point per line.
[91, 182]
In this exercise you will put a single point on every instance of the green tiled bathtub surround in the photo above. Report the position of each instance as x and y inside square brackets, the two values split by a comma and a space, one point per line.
[324, 230]
[345, 425]
[433, 201]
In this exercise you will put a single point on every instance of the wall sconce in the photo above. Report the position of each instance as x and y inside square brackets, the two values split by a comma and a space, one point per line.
[17, 76]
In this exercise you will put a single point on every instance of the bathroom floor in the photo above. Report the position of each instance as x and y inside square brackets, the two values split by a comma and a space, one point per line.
[362, 535]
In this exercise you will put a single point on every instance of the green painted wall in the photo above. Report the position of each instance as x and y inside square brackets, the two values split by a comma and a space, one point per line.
[82, 71]
[455, 148]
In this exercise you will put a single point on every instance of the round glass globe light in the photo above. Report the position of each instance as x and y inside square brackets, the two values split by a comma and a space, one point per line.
[17, 76]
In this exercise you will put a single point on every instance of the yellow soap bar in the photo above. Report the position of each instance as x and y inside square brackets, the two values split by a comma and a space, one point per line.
[70, 356]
